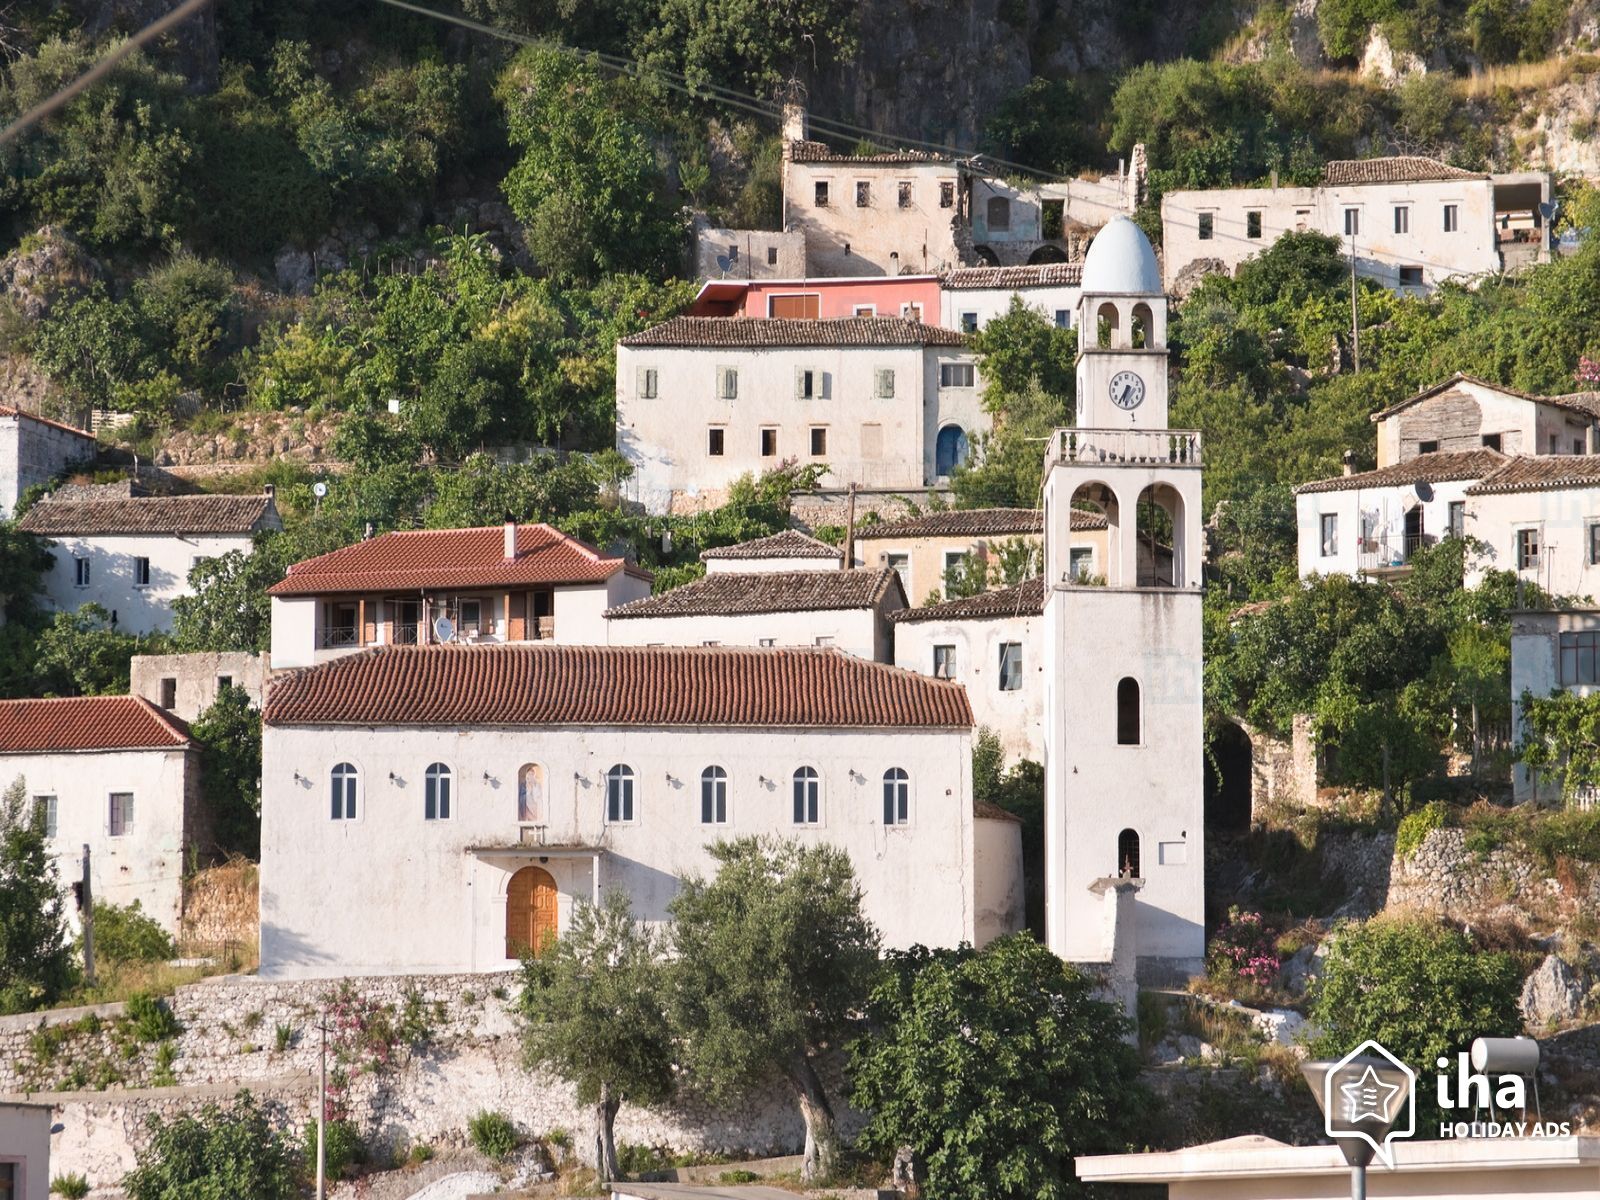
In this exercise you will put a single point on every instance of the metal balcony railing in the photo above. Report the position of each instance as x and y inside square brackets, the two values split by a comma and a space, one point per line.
[1173, 447]
[336, 637]
[1392, 551]
[405, 633]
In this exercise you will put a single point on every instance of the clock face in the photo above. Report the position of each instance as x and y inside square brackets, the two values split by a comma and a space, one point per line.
[1127, 390]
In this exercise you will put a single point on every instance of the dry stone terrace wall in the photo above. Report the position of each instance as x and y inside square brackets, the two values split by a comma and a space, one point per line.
[466, 1057]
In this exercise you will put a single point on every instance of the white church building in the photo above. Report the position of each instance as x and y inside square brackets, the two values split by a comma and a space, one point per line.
[1123, 704]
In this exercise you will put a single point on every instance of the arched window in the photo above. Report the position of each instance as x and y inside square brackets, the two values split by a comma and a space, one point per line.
[1144, 327]
[950, 450]
[713, 796]
[896, 797]
[619, 793]
[998, 210]
[1128, 731]
[1128, 854]
[436, 793]
[530, 794]
[807, 797]
[343, 787]
[1106, 322]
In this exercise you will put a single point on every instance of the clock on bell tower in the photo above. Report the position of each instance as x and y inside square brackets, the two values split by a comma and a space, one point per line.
[1122, 334]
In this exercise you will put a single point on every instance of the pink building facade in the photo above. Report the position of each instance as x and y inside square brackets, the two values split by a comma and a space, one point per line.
[912, 296]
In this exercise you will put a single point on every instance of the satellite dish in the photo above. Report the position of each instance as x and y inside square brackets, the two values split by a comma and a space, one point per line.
[444, 629]
[1424, 491]
[724, 264]
[1549, 208]
[319, 490]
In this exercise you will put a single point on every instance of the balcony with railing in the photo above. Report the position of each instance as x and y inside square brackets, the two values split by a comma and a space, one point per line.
[1133, 447]
[406, 633]
[1391, 553]
[337, 637]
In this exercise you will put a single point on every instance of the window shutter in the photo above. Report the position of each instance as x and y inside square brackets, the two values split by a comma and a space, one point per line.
[885, 386]
[642, 387]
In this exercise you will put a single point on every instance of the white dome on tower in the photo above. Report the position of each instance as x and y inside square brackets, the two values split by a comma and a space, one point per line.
[1120, 260]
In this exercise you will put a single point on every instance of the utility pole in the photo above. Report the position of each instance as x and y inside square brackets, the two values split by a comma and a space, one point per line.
[322, 1107]
[1355, 312]
[87, 899]
[850, 531]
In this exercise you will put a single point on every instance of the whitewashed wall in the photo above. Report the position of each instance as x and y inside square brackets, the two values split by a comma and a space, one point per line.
[1390, 504]
[391, 892]
[145, 864]
[32, 452]
[25, 1146]
[1016, 716]
[862, 632]
[985, 304]
[139, 609]
[1563, 519]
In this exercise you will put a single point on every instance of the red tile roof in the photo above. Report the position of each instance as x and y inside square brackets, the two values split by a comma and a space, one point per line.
[543, 684]
[1068, 274]
[1025, 599]
[791, 543]
[974, 522]
[1395, 169]
[984, 810]
[7, 411]
[1439, 467]
[452, 558]
[150, 514]
[745, 593]
[1540, 473]
[755, 332]
[87, 723]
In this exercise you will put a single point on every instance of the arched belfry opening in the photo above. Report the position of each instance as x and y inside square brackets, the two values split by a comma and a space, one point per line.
[1230, 777]
[1143, 327]
[1098, 499]
[1159, 527]
[1108, 323]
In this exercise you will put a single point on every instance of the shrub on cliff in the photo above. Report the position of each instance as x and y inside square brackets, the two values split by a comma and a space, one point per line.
[216, 1154]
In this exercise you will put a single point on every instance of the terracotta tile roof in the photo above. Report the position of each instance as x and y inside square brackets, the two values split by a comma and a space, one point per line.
[1037, 275]
[452, 558]
[780, 331]
[791, 543]
[1425, 468]
[740, 593]
[1398, 169]
[1025, 599]
[973, 522]
[1587, 403]
[985, 811]
[1541, 473]
[821, 152]
[545, 684]
[7, 411]
[87, 723]
[150, 514]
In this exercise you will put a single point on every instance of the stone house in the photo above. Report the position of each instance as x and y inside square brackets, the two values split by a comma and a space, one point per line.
[483, 790]
[849, 610]
[185, 685]
[880, 401]
[993, 645]
[510, 583]
[120, 776]
[922, 548]
[132, 553]
[35, 450]
[1410, 223]
[969, 298]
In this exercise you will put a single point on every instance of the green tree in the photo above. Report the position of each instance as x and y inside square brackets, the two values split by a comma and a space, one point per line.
[1022, 347]
[35, 961]
[746, 43]
[1019, 790]
[998, 1067]
[94, 348]
[228, 608]
[586, 188]
[773, 955]
[216, 1154]
[1421, 989]
[23, 562]
[594, 1013]
[1007, 467]
[229, 736]
[122, 933]
[83, 654]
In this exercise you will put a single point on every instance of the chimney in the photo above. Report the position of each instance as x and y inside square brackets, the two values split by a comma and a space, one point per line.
[1349, 462]
[269, 490]
[794, 123]
[511, 537]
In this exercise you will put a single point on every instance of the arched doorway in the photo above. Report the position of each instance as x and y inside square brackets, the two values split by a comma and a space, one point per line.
[950, 451]
[1047, 254]
[530, 912]
[1229, 769]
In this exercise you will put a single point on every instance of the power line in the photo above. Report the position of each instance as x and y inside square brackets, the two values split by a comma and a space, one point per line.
[100, 69]
[678, 82]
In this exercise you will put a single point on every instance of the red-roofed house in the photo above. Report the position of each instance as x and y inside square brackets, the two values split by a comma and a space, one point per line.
[516, 583]
[118, 775]
[34, 450]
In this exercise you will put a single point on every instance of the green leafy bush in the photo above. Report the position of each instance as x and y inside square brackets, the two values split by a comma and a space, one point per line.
[343, 1148]
[214, 1153]
[151, 1020]
[1415, 827]
[493, 1135]
[71, 1187]
[125, 934]
[1574, 834]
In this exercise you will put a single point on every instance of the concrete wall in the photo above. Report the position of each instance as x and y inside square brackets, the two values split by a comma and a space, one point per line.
[918, 878]
[881, 296]
[748, 253]
[34, 452]
[1016, 716]
[998, 857]
[926, 557]
[666, 438]
[196, 678]
[881, 237]
[139, 609]
[982, 305]
[25, 1149]
[761, 566]
[1562, 519]
[862, 632]
[1471, 249]
[146, 863]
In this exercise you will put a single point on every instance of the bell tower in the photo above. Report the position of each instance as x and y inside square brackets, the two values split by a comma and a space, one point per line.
[1123, 705]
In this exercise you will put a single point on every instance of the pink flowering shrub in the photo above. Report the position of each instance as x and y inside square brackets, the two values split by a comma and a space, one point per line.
[1243, 951]
[1588, 370]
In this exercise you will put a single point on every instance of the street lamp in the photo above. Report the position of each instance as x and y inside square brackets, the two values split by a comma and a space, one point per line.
[1363, 1098]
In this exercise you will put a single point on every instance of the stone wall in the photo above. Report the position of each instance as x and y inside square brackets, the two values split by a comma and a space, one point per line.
[1445, 877]
[422, 1055]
